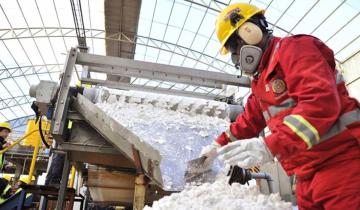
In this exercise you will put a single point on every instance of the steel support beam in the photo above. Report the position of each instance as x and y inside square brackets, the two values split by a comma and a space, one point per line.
[122, 66]
[59, 119]
[63, 184]
[126, 86]
[155, 74]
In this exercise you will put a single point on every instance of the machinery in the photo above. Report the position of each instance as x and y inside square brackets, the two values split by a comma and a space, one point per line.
[113, 162]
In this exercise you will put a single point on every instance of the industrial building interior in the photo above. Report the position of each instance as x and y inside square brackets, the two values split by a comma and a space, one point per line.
[114, 97]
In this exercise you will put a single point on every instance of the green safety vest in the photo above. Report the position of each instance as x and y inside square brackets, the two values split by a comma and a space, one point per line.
[1, 161]
[27, 194]
[2, 199]
[8, 187]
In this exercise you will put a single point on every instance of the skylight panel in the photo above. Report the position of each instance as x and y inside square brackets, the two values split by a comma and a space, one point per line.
[295, 13]
[200, 42]
[45, 50]
[24, 85]
[178, 17]
[164, 56]
[18, 110]
[5, 56]
[208, 25]
[31, 50]
[194, 18]
[17, 51]
[27, 109]
[186, 38]
[172, 34]
[163, 10]
[33, 79]
[189, 63]
[331, 25]
[13, 14]
[348, 51]
[8, 114]
[316, 16]
[64, 12]
[157, 30]
[4, 93]
[346, 35]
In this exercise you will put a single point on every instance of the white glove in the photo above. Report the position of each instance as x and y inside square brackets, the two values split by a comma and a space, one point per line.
[246, 153]
[209, 151]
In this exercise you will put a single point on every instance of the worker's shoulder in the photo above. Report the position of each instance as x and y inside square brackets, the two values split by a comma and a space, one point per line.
[300, 39]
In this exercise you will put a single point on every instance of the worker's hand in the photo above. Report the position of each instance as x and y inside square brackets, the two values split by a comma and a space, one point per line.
[246, 153]
[209, 151]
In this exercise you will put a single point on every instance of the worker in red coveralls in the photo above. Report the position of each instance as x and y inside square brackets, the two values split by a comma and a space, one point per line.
[298, 93]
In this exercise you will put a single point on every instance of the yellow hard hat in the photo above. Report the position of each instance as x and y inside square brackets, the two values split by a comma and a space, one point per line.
[5, 125]
[24, 178]
[7, 177]
[79, 84]
[224, 27]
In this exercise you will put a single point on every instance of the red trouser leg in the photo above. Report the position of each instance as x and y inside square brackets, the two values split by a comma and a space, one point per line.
[304, 196]
[333, 187]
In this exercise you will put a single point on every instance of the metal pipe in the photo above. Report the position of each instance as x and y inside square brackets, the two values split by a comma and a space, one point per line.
[263, 175]
[17, 142]
[72, 177]
[18, 153]
[33, 160]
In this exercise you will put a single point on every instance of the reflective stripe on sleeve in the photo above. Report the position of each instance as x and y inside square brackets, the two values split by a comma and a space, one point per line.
[340, 125]
[307, 133]
[230, 135]
[275, 109]
[288, 103]
[303, 129]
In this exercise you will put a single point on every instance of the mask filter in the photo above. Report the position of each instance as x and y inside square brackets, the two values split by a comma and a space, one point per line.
[249, 59]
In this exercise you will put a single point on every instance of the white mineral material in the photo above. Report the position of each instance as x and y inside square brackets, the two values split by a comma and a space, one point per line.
[220, 196]
[172, 125]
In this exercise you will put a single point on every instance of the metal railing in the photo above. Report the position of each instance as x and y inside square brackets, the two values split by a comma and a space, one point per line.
[35, 152]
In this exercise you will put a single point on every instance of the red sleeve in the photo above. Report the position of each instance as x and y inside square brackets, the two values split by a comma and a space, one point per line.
[309, 70]
[247, 125]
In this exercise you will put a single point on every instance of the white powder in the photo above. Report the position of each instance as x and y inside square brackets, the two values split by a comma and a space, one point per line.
[220, 196]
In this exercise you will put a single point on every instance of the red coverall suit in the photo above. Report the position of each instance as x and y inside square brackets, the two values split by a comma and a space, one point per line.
[314, 124]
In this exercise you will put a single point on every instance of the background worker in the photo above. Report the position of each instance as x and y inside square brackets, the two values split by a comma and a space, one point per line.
[5, 130]
[298, 93]
[5, 190]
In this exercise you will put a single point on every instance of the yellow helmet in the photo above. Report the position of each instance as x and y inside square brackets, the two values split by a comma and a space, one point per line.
[224, 27]
[7, 177]
[25, 179]
[5, 125]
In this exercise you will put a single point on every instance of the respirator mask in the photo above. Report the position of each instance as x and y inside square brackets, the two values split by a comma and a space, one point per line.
[244, 54]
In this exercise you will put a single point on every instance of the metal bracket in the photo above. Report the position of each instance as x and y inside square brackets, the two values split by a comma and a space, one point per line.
[59, 119]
